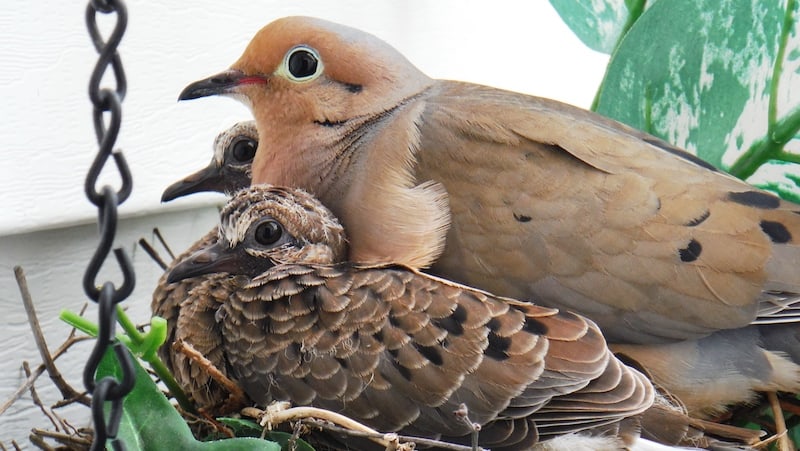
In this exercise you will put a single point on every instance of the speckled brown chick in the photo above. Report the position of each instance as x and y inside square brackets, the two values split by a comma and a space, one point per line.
[189, 306]
[397, 349]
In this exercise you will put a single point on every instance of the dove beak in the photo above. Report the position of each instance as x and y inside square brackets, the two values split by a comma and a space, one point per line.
[220, 84]
[213, 259]
[207, 179]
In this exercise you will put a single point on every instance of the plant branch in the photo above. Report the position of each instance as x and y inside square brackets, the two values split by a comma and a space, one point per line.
[148, 248]
[784, 444]
[37, 401]
[83, 399]
[779, 132]
[275, 415]
[66, 390]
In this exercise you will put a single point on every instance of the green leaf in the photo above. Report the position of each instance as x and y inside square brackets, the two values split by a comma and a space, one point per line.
[598, 23]
[690, 83]
[242, 427]
[284, 439]
[702, 75]
[149, 422]
[247, 428]
[777, 176]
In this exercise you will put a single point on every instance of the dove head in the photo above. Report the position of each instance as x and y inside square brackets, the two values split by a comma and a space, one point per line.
[310, 69]
[307, 79]
[229, 170]
[263, 226]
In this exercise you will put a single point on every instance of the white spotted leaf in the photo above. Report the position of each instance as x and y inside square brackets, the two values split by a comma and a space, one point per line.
[701, 75]
[598, 23]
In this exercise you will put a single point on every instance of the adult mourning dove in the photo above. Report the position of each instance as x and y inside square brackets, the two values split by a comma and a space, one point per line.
[725, 368]
[541, 200]
[190, 305]
[706, 374]
[397, 349]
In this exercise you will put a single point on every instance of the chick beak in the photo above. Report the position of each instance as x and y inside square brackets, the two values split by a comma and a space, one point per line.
[213, 259]
[206, 179]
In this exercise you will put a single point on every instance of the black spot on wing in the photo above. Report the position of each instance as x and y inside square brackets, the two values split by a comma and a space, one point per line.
[777, 232]
[498, 347]
[431, 353]
[756, 199]
[522, 218]
[663, 145]
[405, 372]
[454, 323]
[699, 220]
[534, 327]
[691, 252]
[450, 323]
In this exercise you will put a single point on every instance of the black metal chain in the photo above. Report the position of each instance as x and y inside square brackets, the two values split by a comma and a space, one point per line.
[107, 295]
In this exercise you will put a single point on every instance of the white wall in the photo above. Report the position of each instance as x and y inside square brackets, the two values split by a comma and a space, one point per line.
[48, 141]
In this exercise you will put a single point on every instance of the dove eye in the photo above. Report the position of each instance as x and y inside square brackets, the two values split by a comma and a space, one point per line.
[268, 232]
[244, 149]
[303, 64]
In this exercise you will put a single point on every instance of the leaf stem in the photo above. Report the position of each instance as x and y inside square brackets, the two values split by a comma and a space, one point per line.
[779, 132]
[777, 69]
[789, 157]
[144, 346]
[786, 129]
[139, 344]
[769, 147]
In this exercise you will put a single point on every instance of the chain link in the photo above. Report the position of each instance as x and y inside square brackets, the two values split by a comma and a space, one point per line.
[106, 200]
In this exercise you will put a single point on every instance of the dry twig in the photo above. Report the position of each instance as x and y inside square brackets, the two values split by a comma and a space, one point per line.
[163, 242]
[39, 442]
[237, 398]
[784, 444]
[342, 424]
[75, 441]
[791, 405]
[66, 390]
[149, 250]
[37, 401]
[82, 398]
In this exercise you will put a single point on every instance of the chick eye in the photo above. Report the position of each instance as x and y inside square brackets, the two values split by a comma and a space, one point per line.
[244, 149]
[268, 232]
[303, 64]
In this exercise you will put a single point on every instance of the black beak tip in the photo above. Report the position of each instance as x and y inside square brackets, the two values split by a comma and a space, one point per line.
[192, 92]
[208, 179]
[172, 277]
[215, 85]
[187, 269]
[178, 189]
[167, 196]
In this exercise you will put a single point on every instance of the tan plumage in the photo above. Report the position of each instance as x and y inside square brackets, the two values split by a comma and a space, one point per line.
[189, 306]
[724, 368]
[395, 348]
[530, 198]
